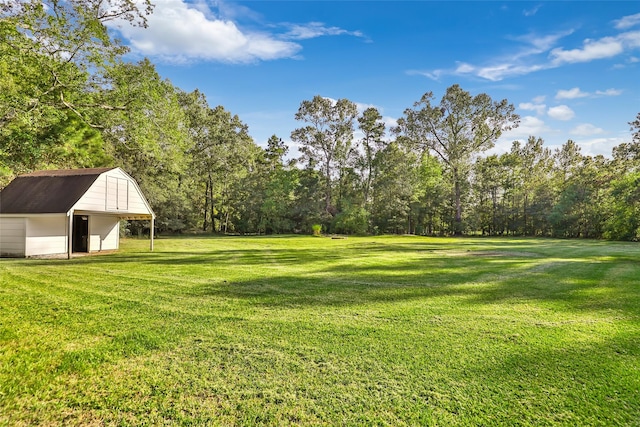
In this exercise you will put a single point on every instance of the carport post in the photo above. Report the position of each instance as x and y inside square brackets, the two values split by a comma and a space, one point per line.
[69, 234]
[151, 234]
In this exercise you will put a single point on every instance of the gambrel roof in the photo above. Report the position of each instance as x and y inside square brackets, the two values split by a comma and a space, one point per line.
[50, 191]
[97, 190]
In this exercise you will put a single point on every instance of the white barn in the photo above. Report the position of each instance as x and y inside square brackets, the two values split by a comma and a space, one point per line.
[66, 211]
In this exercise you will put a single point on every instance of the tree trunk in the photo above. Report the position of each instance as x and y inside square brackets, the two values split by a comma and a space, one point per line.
[367, 184]
[206, 207]
[524, 214]
[494, 200]
[457, 223]
[211, 208]
[327, 183]
[340, 190]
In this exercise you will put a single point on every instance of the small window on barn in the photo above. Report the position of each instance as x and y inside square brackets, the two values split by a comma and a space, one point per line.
[123, 194]
[117, 194]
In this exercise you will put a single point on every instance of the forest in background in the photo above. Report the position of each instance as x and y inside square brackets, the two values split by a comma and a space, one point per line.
[68, 99]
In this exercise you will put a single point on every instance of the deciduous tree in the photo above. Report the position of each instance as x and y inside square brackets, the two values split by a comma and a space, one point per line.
[373, 130]
[326, 140]
[457, 129]
[55, 58]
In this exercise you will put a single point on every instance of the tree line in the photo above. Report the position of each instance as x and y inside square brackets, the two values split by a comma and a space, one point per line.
[68, 99]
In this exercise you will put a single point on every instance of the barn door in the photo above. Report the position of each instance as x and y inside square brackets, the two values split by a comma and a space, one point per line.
[80, 233]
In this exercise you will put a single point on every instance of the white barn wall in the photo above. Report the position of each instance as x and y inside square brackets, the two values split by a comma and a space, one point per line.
[46, 235]
[103, 233]
[113, 191]
[94, 198]
[113, 195]
[12, 237]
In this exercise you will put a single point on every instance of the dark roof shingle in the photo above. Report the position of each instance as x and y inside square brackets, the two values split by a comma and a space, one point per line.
[53, 191]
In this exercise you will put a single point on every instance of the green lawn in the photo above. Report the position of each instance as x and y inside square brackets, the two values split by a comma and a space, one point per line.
[315, 331]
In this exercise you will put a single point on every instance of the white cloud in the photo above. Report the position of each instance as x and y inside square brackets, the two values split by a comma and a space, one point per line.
[464, 68]
[539, 99]
[609, 92]
[519, 63]
[561, 112]
[390, 122]
[631, 39]
[316, 29]
[599, 146]
[500, 71]
[515, 64]
[529, 125]
[178, 33]
[571, 94]
[528, 58]
[532, 11]
[536, 44]
[182, 31]
[586, 129]
[606, 47]
[529, 106]
[226, 10]
[362, 106]
[627, 21]
[433, 75]
[494, 72]
[576, 93]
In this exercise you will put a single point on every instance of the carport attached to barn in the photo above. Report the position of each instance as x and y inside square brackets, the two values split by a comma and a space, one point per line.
[65, 211]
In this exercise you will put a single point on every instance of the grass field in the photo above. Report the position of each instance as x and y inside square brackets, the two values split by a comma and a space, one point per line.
[315, 331]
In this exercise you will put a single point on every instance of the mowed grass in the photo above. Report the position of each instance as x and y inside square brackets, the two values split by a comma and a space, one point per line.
[315, 331]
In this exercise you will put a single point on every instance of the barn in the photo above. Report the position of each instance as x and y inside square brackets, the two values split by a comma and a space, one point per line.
[68, 211]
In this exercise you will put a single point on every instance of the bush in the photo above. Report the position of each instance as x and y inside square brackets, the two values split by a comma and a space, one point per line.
[352, 220]
[317, 229]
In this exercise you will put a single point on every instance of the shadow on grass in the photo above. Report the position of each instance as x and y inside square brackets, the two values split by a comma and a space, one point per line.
[575, 285]
[467, 273]
[578, 274]
[567, 383]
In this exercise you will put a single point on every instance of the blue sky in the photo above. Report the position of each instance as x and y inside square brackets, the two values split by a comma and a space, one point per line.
[571, 68]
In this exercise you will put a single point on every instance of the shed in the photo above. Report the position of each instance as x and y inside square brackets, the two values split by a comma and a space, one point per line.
[65, 211]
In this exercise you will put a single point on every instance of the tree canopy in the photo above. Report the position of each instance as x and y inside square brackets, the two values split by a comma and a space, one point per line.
[460, 127]
[69, 99]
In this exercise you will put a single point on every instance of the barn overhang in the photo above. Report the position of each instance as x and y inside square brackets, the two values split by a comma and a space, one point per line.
[129, 216]
[119, 215]
[109, 193]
